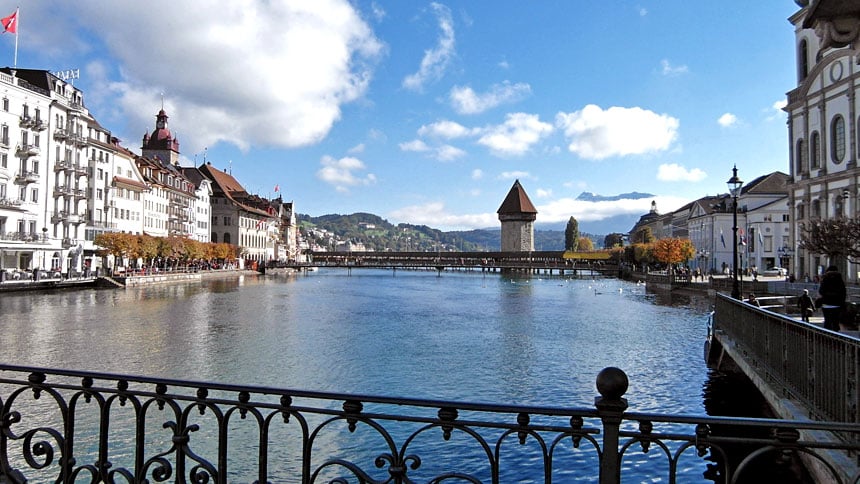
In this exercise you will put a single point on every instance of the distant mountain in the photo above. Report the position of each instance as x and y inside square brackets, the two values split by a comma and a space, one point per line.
[592, 197]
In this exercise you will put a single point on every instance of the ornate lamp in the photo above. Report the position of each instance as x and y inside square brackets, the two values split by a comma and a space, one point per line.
[735, 185]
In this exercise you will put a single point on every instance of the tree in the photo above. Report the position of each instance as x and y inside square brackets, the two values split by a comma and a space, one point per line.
[571, 235]
[585, 244]
[673, 250]
[836, 238]
[644, 236]
[613, 240]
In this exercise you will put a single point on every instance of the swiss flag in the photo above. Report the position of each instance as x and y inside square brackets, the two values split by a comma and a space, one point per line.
[10, 23]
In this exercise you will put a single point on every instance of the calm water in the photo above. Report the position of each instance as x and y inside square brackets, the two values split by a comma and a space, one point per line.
[461, 336]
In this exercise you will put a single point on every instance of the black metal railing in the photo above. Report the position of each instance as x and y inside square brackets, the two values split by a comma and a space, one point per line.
[818, 367]
[69, 426]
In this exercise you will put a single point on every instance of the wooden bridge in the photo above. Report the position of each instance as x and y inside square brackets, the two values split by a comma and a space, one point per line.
[534, 262]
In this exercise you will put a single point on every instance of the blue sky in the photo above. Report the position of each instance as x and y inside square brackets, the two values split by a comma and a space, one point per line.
[426, 112]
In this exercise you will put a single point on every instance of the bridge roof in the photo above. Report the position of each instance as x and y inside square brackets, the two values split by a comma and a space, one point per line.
[517, 201]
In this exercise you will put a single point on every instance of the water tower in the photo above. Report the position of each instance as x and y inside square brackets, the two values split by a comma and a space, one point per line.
[517, 215]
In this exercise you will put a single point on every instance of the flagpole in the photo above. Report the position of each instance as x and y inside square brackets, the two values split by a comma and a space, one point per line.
[17, 18]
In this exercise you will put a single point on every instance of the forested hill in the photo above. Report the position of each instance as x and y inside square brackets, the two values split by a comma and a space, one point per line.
[378, 234]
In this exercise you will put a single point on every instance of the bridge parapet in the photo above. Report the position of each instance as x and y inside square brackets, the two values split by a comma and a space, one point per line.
[58, 425]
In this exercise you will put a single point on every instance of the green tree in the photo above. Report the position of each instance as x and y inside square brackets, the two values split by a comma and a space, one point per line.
[613, 240]
[644, 236]
[571, 235]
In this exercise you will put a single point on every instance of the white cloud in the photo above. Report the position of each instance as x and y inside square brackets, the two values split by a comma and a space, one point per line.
[377, 11]
[342, 173]
[414, 145]
[464, 100]
[359, 148]
[516, 136]
[449, 153]
[435, 215]
[441, 153]
[227, 71]
[541, 193]
[477, 174]
[435, 60]
[643, 11]
[669, 70]
[776, 110]
[727, 120]
[597, 134]
[584, 211]
[511, 175]
[445, 129]
[672, 172]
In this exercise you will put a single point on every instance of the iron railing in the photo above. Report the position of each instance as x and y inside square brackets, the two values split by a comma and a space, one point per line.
[818, 367]
[70, 426]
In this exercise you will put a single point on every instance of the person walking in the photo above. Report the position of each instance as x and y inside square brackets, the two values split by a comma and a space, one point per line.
[833, 293]
[806, 305]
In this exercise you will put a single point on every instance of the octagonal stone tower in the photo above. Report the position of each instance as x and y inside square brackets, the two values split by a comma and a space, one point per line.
[517, 215]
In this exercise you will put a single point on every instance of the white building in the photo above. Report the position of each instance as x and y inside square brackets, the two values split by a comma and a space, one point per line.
[824, 124]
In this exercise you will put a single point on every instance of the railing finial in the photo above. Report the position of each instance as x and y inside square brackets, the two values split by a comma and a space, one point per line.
[612, 383]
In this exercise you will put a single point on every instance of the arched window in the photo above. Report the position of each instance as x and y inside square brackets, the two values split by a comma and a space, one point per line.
[227, 237]
[214, 238]
[800, 212]
[838, 206]
[816, 208]
[837, 139]
[800, 155]
[815, 149]
[802, 60]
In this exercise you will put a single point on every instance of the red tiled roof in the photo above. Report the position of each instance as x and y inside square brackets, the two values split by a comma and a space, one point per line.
[517, 201]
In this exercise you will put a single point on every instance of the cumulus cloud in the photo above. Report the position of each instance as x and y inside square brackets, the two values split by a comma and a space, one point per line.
[595, 133]
[727, 120]
[435, 60]
[414, 145]
[477, 174]
[669, 70]
[227, 71]
[359, 148]
[776, 110]
[465, 100]
[516, 135]
[445, 129]
[435, 214]
[342, 173]
[672, 172]
[541, 193]
[441, 153]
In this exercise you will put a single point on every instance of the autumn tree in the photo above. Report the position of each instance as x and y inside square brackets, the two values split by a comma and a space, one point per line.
[571, 235]
[837, 238]
[584, 244]
[673, 250]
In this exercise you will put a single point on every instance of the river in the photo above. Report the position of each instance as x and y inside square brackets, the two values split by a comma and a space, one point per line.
[457, 336]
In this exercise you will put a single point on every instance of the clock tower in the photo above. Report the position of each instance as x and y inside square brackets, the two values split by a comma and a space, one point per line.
[161, 144]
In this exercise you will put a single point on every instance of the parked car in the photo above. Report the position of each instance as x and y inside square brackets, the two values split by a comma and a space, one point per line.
[775, 271]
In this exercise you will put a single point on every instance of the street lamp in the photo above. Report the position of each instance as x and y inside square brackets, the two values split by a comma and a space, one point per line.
[735, 184]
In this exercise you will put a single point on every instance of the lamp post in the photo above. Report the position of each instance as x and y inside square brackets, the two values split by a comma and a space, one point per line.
[735, 184]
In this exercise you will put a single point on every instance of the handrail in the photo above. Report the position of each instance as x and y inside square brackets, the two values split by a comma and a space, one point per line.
[57, 425]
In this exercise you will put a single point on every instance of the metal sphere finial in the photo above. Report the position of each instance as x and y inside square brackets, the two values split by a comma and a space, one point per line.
[612, 382]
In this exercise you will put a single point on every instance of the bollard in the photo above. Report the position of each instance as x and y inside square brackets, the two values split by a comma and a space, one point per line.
[612, 384]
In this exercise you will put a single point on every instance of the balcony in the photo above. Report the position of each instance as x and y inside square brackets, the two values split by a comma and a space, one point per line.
[11, 203]
[26, 177]
[62, 165]
[40, 124]
[80, 169]
[79, 140]
[61, 133]
[69, 243]
[63, 191]
[4, 142]
[25, 121]
[27, 150]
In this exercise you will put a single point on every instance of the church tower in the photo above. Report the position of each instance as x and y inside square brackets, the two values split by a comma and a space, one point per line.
[161, 144]
[517, 215]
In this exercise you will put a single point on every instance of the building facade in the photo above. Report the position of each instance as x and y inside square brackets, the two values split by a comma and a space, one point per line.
[824, 125]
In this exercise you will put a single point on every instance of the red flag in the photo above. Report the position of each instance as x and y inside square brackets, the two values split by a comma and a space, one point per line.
[277, 188]
[10, 23]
